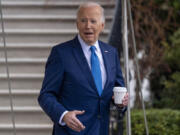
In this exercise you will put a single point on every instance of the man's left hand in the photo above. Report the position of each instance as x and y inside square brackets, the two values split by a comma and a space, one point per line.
[124, 101]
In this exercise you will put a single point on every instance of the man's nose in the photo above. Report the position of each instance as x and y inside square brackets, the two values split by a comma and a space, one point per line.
[88, 24]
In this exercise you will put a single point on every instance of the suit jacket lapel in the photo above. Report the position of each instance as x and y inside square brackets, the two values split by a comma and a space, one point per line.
[106, 57]
[83, 64]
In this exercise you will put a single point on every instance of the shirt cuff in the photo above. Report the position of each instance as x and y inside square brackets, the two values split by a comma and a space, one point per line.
[60, 120]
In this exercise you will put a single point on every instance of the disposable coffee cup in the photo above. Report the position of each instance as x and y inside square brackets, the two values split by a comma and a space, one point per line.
[119, 93]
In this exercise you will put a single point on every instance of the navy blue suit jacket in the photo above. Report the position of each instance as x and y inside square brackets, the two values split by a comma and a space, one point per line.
[68, 85]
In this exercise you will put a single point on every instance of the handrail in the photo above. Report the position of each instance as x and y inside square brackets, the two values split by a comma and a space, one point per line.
[126, 61]
[7, 70]
[137, 65]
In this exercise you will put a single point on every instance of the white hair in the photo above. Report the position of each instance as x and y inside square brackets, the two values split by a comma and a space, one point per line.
[92, 4]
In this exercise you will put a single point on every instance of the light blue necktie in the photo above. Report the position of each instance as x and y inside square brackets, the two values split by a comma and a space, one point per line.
[95, 69]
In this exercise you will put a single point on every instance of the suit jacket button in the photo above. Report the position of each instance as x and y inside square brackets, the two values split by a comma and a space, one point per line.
[99, 116]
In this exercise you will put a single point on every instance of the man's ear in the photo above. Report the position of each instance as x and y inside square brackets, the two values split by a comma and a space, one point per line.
[103, 25]
[76, 24]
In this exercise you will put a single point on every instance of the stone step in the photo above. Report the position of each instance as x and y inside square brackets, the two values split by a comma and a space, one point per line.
[29, 97]
[51, 7]
[24, 115]
[26, 51]
[53, 2]
[22, 81]
[45, 0]
[26, 129]
[44, 21]
[23, 65]
[27, 45]
[44, 36]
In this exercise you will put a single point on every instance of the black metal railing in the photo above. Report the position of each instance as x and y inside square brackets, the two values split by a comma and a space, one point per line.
[116, 121]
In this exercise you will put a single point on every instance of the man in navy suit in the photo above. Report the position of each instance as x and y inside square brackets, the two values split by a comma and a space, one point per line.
[79, 78]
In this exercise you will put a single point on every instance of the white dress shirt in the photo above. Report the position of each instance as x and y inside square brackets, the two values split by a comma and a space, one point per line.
[87, 52]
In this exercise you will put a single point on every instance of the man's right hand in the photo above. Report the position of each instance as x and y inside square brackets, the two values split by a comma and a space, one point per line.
[72, 121]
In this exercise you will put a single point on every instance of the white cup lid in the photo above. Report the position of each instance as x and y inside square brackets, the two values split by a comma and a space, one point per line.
[119, 89]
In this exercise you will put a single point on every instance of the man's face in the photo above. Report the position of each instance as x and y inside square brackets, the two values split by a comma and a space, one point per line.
[89, 24]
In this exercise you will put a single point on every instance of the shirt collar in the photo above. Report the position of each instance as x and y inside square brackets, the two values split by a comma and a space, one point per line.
[86, 47]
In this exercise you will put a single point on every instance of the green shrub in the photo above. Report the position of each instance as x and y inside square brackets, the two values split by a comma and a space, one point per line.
[165, 80]
[160, 122]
